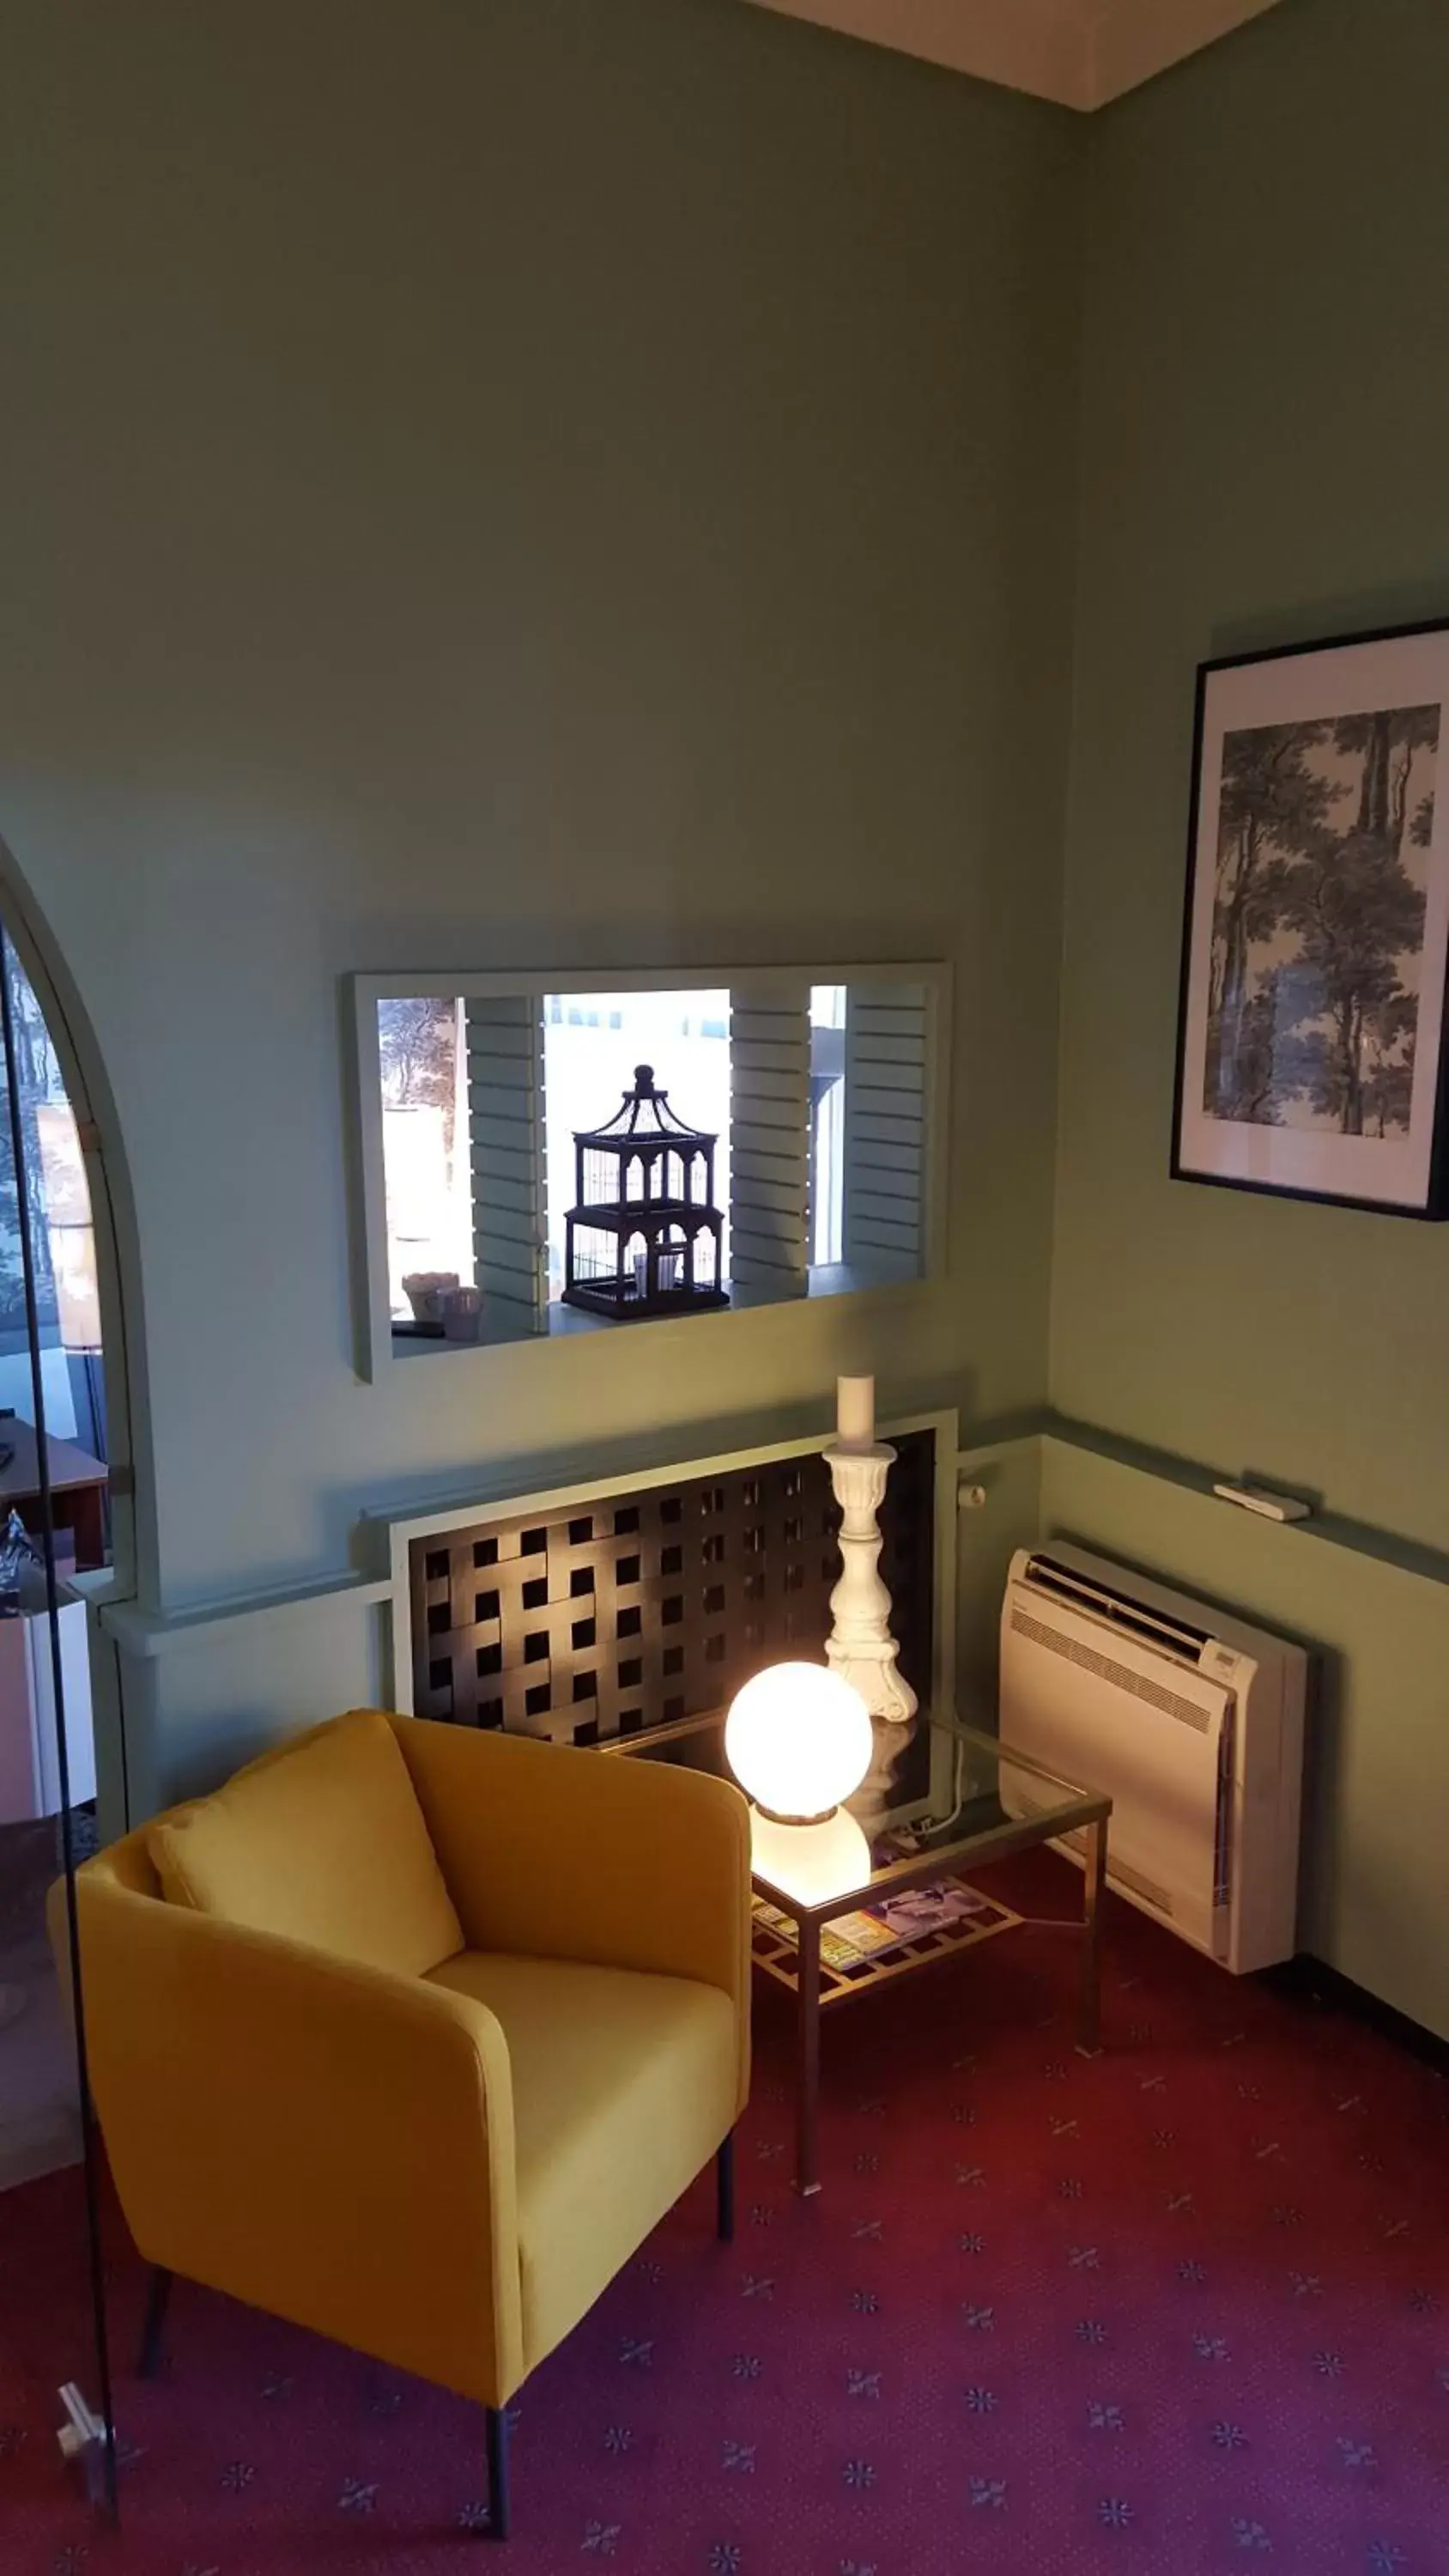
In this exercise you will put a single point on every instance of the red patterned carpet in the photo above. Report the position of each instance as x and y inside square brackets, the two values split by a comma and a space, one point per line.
[1184, 2308]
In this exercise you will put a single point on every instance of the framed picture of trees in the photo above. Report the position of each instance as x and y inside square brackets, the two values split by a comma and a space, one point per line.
[1311, 1042]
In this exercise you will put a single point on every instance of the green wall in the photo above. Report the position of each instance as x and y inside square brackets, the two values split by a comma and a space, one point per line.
[1264, 434]
[1265, 426]
[528, 483]
[521, 483]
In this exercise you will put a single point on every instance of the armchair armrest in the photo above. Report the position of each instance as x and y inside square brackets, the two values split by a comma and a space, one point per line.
[574, 1854]
[331, 2142]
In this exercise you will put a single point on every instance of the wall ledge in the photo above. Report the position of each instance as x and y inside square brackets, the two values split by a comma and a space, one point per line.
[153, 1632]
[1396, 1548]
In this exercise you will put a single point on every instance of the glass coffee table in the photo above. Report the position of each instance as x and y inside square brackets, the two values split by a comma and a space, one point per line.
[885, 1889]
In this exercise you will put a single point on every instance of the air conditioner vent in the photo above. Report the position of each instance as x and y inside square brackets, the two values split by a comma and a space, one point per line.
[1107, 1669]
[1103, 1601]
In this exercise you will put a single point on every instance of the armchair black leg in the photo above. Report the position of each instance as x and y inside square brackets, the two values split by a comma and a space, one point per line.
[149, 2361]
[497, 2473]
[724, 2177]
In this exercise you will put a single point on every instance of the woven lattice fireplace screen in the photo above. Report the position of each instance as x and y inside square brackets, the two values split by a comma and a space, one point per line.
[601, 1621]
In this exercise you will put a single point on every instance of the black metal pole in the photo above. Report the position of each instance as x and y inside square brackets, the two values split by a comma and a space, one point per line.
[158, 2299]
[498, 2504]
[52, 1604]
[725, 2191]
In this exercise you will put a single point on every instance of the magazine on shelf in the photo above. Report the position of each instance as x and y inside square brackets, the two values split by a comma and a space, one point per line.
[873, 1929]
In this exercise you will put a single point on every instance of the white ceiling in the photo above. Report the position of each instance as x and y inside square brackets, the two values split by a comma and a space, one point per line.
[1080, 52]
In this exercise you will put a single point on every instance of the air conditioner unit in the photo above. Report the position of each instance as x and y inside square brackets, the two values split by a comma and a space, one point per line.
[1191, 1722]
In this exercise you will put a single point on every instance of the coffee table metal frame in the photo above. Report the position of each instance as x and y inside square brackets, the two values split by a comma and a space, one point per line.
[1076, 1813]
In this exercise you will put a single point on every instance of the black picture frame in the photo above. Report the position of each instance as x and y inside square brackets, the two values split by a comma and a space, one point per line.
[1302, 1069]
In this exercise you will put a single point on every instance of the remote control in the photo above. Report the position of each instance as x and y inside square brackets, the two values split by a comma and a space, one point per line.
[1269, 1507]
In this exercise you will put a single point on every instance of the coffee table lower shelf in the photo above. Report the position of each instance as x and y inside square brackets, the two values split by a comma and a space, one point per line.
[775, 1946]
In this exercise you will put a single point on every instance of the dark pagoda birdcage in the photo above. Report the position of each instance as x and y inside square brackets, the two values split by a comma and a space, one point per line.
[645, 1237]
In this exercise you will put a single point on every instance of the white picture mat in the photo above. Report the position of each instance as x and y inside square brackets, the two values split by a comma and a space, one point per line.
[1339, 680]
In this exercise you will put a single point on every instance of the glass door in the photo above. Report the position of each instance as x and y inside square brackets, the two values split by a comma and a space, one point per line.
[57, 2443]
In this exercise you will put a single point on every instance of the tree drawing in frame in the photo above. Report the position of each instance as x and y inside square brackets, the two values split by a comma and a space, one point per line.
[1315, 967]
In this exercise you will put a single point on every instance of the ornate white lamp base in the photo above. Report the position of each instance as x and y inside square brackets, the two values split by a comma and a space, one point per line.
[860, 1645]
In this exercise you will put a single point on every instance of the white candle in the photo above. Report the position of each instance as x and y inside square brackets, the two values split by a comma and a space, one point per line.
[855, 1412]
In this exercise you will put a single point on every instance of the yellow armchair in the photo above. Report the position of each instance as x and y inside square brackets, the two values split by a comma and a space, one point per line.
[411, 2034]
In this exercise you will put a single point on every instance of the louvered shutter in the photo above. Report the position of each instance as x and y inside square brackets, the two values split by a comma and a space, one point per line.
[505, 1114]
[885, 1126]
[769, 1143]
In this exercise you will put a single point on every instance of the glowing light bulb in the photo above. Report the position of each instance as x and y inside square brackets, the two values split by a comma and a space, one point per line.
[798, 1739]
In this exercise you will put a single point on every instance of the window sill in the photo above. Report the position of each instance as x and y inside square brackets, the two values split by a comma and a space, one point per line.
[502, 1322]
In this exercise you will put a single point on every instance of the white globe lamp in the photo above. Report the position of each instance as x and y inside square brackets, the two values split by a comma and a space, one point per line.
[798, 1739]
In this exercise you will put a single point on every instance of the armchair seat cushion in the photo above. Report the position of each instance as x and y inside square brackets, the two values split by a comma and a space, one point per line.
[624, 2084]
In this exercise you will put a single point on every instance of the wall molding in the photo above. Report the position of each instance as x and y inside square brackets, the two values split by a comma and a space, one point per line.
[1406, 1555]
[381, 1532]
[158, 1632]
